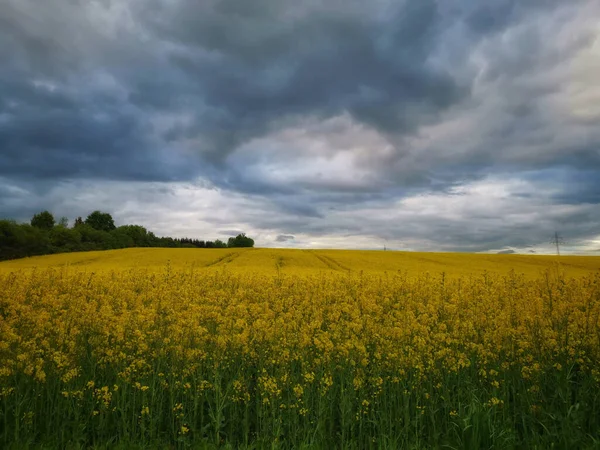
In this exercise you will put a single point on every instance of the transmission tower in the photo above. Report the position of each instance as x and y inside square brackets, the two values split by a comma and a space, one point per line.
[557, 240]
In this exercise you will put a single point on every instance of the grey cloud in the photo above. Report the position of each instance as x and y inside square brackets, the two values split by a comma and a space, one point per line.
[230, 232]
[202, 212]
[284, 238]
[238, 71]
[568, 185]
[313, 111]
[255, 69]
[497, 15]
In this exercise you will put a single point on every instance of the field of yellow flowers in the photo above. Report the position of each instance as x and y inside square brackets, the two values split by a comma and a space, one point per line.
[151, 348]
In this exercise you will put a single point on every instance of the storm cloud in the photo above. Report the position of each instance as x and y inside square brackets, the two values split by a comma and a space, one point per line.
[415, 124]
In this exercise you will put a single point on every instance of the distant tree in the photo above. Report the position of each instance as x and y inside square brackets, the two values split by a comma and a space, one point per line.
[215, 244]
[167, 242]
[122, 238]
[43, 220]
[139, 235]
[220, 244]
[152, 240]
[241, 240]
[100, 221]
[11, 240]
[94, 239]
[97, 232]
[65, 239]
[20, 240]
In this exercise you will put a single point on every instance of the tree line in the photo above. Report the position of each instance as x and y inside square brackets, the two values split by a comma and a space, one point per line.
[43, 235]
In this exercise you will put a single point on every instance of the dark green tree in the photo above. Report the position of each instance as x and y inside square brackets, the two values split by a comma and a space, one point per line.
[20, 240]
[65, 239]
[138, 234]
[100, 221]
[97, 232]
[241, 240]
[220, 244]
[122, 238]
[93, 239]
[43, 220]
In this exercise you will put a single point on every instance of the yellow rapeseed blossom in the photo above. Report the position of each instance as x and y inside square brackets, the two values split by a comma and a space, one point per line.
[289, 342]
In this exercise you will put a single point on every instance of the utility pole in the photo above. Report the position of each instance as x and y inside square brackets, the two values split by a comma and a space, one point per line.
[558, 241]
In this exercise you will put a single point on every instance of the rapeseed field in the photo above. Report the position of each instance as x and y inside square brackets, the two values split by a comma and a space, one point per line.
[307, 262]
[147, 348]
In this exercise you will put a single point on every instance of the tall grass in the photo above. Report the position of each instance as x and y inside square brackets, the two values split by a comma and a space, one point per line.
[188, 359]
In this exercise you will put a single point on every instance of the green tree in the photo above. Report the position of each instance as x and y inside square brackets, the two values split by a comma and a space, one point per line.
[65, 239]
[78, 222]
[241, 240]
[122, 238]
[100, 221]
[20, 240]
[43, 220]
[138, 234]
[93, 239]
[218, 243]
[11, 240]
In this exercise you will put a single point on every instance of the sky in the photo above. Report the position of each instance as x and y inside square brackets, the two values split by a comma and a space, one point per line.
[450, 125]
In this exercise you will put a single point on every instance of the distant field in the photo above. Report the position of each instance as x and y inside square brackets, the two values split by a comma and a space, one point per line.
[307, 262]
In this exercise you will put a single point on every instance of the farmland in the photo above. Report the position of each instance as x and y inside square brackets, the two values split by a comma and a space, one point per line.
[270, 348]
[307, 262]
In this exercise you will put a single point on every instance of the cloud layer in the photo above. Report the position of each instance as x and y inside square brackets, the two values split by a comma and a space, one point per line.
[431, 125]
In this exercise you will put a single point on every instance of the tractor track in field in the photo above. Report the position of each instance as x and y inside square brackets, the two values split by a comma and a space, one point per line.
[330, 262]
[83, 262]
[223, 260]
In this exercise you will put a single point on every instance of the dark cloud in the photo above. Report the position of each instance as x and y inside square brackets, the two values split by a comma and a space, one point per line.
[282, 61]
[330, 118]
[284, 238]
[230, 232]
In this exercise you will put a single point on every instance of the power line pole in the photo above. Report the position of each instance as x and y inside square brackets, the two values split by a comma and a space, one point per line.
[558, 241]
